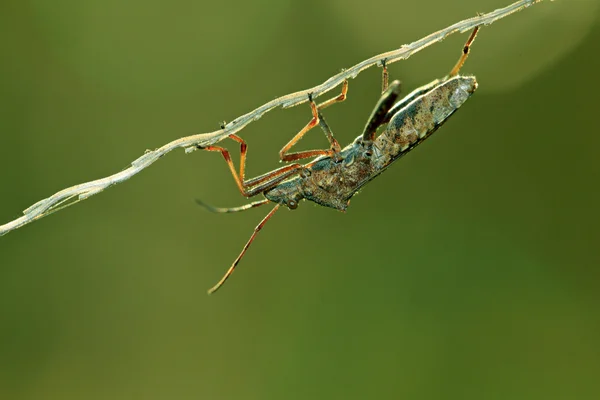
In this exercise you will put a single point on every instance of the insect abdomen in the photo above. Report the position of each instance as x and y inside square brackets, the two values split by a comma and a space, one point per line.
[421, 117]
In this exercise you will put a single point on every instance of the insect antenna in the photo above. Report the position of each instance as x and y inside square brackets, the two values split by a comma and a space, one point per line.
[465, 53]
[231, 209]
[237, 260]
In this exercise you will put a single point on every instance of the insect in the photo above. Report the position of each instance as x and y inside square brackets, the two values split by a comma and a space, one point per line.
[337, 174]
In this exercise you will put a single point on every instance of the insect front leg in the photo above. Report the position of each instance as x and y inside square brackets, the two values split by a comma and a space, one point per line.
[253, 186]
[316, 119]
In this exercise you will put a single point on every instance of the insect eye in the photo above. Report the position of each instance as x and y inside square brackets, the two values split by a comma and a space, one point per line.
[292, 204]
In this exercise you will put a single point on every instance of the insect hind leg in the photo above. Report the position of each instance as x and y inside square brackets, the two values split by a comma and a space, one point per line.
[465, 53]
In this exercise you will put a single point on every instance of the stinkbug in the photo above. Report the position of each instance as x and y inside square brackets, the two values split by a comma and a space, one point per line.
[337, 174]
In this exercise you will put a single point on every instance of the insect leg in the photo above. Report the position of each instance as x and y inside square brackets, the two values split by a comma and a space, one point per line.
[341, 97]
[239, 179]
[237, 260]
[335, 146]
[378, 115]
[258, 185]
[465, 53]
[253, 186]
[283, 153]
[270, 179]
[317, 118]
[384, 76]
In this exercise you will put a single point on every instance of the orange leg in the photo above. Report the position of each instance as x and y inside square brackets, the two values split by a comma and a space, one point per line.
[465, 53]
[341, 97]
[253, 186]
[237, 260]
[316, 119]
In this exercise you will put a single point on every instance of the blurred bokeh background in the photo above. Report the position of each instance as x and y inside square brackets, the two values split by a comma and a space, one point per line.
[469, 270]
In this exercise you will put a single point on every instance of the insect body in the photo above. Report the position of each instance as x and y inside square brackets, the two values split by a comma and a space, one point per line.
[337, 174]
[331, 181]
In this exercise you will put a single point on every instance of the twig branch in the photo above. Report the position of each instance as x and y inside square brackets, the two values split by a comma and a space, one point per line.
[76, 193]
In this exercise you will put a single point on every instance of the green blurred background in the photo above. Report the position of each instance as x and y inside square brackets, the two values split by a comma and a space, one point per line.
[469, 270]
